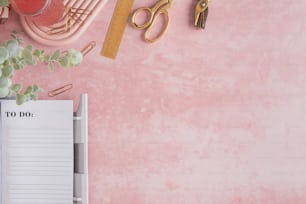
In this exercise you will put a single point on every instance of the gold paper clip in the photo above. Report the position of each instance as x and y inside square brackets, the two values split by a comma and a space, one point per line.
[60, 90]
[88, 48]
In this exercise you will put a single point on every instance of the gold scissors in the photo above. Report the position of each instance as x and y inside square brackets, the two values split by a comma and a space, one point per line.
[159, 9]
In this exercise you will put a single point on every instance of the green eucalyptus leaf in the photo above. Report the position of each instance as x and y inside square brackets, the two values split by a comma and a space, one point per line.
[36, 53]
[27, 55]
[13, 48]
[7, 71]
[29, 47]
[17, 67]
[56, 55]
[46, 57]
[4, 92]
[16, 88]
[76, 57]
[20, 99]
[34, 96]
[64, 61]
[4, 82]
[28, 90]
[11, 93]
[50, 66]
[6, 63]
[4, 54]
[23, 63]
[14, 60]
[29, 62]
[4, 3]
[9, 82]
[36, 88]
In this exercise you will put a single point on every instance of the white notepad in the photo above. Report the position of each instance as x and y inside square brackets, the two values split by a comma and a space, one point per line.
[36, 152]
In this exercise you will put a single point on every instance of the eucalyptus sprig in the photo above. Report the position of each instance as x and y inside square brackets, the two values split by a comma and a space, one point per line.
[4, 3]
[14, 57]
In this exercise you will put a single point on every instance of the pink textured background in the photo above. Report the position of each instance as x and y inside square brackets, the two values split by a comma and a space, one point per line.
[201, 117]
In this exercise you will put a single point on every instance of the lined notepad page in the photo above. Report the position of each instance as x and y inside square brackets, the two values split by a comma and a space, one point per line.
[37, 152]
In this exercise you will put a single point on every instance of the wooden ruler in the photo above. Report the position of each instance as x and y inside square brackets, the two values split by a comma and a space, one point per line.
[116, 29]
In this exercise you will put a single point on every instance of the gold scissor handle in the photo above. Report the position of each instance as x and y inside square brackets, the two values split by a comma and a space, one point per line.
[161, 12]
[147, 23]
[159, 9]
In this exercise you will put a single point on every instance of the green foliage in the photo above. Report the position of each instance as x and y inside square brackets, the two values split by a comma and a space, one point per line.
[14, 57]
[3, 3]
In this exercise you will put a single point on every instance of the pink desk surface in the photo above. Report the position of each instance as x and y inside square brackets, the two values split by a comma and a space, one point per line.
[201, 117]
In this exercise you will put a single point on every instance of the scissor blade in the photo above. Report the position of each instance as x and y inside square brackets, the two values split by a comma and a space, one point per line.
[197, 19]
[198, 10]
[204, 16]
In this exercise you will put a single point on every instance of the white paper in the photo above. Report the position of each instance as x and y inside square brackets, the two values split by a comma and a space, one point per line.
[37, 152]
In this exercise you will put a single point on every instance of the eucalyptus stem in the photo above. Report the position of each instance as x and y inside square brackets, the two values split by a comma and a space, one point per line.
[14, 57]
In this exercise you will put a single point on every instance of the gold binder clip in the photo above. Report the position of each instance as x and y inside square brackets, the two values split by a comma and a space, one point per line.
[60, 90]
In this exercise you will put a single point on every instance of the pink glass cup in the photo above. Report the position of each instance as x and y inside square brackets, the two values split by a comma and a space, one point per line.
[42, 12]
